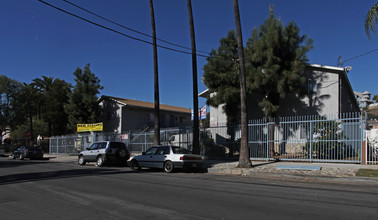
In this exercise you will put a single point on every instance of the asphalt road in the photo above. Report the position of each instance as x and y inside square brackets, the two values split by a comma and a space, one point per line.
[32, 189]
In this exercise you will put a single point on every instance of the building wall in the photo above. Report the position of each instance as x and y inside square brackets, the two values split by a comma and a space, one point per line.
[217, 117]
[141, 118]
[348, 102]
[320, 95]
[121, 119]
[136, 119]
[324, 90]
[111, 116]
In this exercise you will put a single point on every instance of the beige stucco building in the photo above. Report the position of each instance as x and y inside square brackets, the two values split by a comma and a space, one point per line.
[121, 115]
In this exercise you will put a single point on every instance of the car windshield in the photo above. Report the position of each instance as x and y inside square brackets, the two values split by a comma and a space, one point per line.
[93, 146]
[179, 150]
[151, 151]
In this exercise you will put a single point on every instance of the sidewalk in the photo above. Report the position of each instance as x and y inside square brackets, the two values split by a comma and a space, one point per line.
[330, 172]
[61, 157]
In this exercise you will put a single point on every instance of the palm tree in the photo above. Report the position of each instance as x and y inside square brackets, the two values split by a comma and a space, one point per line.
[44, 86]
[244, 161]
[371, 20]
[196, 148]
[28, 104]
[156, 79]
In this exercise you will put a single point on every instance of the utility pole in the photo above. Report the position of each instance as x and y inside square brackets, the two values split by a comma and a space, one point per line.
[196, 147]
[339, 61]
[156, 79]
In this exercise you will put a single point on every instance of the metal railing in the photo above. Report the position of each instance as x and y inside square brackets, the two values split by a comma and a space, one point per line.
[136, 142]
[335, 138]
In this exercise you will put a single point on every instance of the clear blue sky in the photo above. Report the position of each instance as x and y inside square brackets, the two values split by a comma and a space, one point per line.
[38, 40]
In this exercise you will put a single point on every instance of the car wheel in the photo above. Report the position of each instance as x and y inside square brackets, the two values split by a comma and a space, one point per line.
[100, 161]
[168, 167]
[134, 165]
[122, 153]
[21, 156]
[82, 160]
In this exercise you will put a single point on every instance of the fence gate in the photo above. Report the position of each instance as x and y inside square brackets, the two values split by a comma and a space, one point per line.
[336, 138]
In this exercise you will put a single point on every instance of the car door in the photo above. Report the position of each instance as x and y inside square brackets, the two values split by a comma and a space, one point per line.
[160, 156]
[91, 153]
[146, 159]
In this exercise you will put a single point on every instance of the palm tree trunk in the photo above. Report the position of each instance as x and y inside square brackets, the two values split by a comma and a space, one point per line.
[244, 160]
[156, 79]
[196, 147]
[31, 129]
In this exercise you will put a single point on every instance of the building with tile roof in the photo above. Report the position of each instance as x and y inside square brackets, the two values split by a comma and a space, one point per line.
[121, 115]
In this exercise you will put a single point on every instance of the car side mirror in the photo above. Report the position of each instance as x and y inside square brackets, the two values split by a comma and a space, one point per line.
[88, 148]
[171, 139]
[143, 153]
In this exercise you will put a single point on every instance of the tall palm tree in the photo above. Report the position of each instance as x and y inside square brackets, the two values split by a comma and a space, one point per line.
[244, 160]
[44, 86]
[196, 148]
[371, 20]
[45, 83]
[28, 103]
[156, 79]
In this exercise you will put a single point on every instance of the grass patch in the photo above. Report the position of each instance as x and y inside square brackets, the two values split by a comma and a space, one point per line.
[367, 173]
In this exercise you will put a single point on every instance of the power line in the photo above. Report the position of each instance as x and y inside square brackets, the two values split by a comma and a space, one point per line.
[130, 29]
[115, 31]
[359, 55]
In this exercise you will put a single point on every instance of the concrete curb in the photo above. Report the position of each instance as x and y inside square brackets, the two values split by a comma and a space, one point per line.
[350, 180]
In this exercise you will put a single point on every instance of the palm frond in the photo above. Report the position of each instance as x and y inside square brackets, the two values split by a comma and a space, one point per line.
[371, 20]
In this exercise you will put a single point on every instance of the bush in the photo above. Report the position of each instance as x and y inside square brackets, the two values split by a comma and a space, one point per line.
[9, 148]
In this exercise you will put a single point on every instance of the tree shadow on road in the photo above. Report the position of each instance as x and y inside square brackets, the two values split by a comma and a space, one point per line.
[15, 162]
[38, 176]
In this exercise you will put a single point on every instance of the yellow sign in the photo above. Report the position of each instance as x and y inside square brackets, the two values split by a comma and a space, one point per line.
[89, 127]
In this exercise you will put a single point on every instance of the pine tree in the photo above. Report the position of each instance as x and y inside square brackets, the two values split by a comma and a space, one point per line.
[221, 78]
[276, 60]
[275, 63]
[83, 101]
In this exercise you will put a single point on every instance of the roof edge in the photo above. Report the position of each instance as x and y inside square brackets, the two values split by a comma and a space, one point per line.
[163, 107]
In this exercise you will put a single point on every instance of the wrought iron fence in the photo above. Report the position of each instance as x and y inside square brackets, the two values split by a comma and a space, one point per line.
[335, 138]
